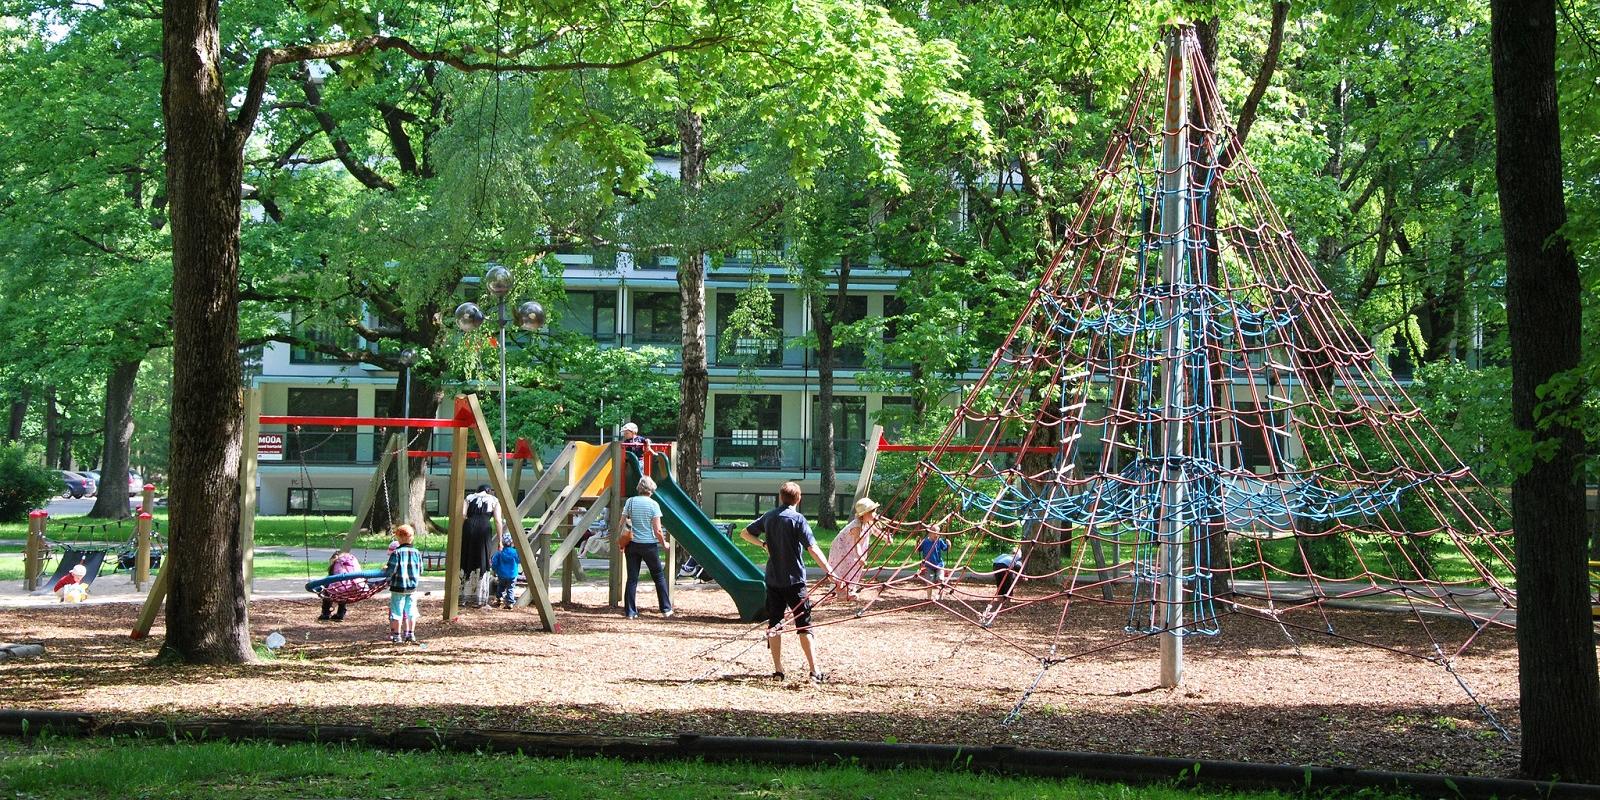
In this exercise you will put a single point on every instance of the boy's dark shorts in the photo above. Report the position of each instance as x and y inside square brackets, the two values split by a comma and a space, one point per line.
[792, 598]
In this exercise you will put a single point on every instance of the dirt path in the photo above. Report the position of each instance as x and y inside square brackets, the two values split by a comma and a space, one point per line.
[1250, 694]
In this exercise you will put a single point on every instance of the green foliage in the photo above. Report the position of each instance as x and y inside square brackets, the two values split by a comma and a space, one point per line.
[48, 767]
[569, 383]
[24, 485]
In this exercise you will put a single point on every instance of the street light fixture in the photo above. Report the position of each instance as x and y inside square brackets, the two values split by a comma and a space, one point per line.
[529, 317]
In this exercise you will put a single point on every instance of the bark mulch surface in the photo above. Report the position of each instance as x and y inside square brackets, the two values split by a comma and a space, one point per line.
[918, 675]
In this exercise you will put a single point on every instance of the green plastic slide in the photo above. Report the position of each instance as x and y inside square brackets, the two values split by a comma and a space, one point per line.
[743, 581]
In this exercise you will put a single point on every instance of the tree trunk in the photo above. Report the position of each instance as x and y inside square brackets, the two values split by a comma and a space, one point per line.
[52, 430]
[112, 501]
[694, 386]
[823, 318]
[207, 616]
[66, 461]
[426, 395]
[19, 414]
[1560, 695]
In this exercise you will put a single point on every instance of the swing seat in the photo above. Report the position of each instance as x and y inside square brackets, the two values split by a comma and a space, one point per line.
[349, 587]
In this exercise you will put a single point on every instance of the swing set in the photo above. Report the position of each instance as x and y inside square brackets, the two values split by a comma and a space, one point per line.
[467, 420]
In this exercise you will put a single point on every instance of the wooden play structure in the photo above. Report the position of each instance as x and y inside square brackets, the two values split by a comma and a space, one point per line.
[467, 421]
[38, 546]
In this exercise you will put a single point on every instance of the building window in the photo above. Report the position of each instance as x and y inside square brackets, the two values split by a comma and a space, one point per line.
[745, 433]
[332, 335]
[849, 432]
[322, 501]
[656, 319]
[748, 348]
[897, 415]
[321, 444]
[740, 505]
[590, 313]
[851, 356]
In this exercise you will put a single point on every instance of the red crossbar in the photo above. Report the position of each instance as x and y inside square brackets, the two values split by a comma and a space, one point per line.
[376, 422]
[885, 447]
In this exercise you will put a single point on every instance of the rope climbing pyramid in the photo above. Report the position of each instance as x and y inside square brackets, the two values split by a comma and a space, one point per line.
[1183, 422]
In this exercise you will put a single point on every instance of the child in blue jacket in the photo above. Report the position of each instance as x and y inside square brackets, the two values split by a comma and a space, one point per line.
[507, 566]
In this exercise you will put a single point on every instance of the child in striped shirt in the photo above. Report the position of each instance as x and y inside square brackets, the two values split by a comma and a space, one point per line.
[404, 568]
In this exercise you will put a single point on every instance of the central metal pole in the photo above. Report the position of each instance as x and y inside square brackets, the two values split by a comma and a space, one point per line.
[1175, 169]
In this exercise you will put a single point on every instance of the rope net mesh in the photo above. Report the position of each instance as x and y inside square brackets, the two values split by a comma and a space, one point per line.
[1182, 403]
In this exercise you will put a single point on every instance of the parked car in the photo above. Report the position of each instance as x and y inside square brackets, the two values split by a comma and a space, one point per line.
[135, 482]
[76, 485]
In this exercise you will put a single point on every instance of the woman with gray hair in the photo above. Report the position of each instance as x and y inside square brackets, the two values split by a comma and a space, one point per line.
[643, 515]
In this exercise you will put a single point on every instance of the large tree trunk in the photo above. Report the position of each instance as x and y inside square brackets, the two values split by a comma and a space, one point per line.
[426, 395]
[1560, 695]
[52, 430]
[112, 501]
[823, 318]
[694, 386]
[207, 616]
[19, 414]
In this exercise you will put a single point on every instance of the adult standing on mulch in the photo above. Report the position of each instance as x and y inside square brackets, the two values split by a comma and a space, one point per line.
[643, 514]
[848, 553]
[479, 534]
[788, 539]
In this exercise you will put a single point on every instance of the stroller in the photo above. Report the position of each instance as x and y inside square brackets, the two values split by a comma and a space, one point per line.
[692, 569]
[594, 539]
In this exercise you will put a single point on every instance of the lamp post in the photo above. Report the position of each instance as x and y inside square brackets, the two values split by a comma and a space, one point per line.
[407, 358]
[529, 316]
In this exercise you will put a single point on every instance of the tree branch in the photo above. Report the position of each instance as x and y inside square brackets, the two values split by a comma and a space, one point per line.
[1269, 64]
[341, 146]
[271, 57]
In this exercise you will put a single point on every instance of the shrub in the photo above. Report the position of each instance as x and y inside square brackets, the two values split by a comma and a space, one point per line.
[24, 485]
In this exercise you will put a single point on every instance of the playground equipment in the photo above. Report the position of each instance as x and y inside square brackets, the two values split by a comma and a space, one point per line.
[466, 421]
[712, 550]
[138, 551]
[1180, 379]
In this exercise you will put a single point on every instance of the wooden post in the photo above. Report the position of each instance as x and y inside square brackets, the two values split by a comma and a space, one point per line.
[869, 464]
[152, 604]
[568, 568]
[615, 521]
[672, 552]
[455, 501]
[33, 550]
[538, 589]
[141, 556]
[248, 464]
[542, 549]
[516, 480]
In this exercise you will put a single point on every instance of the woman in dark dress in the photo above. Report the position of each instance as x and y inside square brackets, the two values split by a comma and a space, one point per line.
[479, 536]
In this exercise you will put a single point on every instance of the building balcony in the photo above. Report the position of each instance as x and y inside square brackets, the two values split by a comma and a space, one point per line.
[778, 455]
[321, 448]
[744, 352]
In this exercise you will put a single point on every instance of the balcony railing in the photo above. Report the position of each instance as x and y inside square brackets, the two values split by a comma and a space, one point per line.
[324, 448]
[743, 352]
[785, 454]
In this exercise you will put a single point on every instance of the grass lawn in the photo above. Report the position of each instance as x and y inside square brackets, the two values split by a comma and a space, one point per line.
[52, 767]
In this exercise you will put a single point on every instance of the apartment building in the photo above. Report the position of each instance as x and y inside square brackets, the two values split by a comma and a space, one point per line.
[762, 412]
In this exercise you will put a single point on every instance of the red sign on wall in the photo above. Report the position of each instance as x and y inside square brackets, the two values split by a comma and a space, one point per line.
[269, 447]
